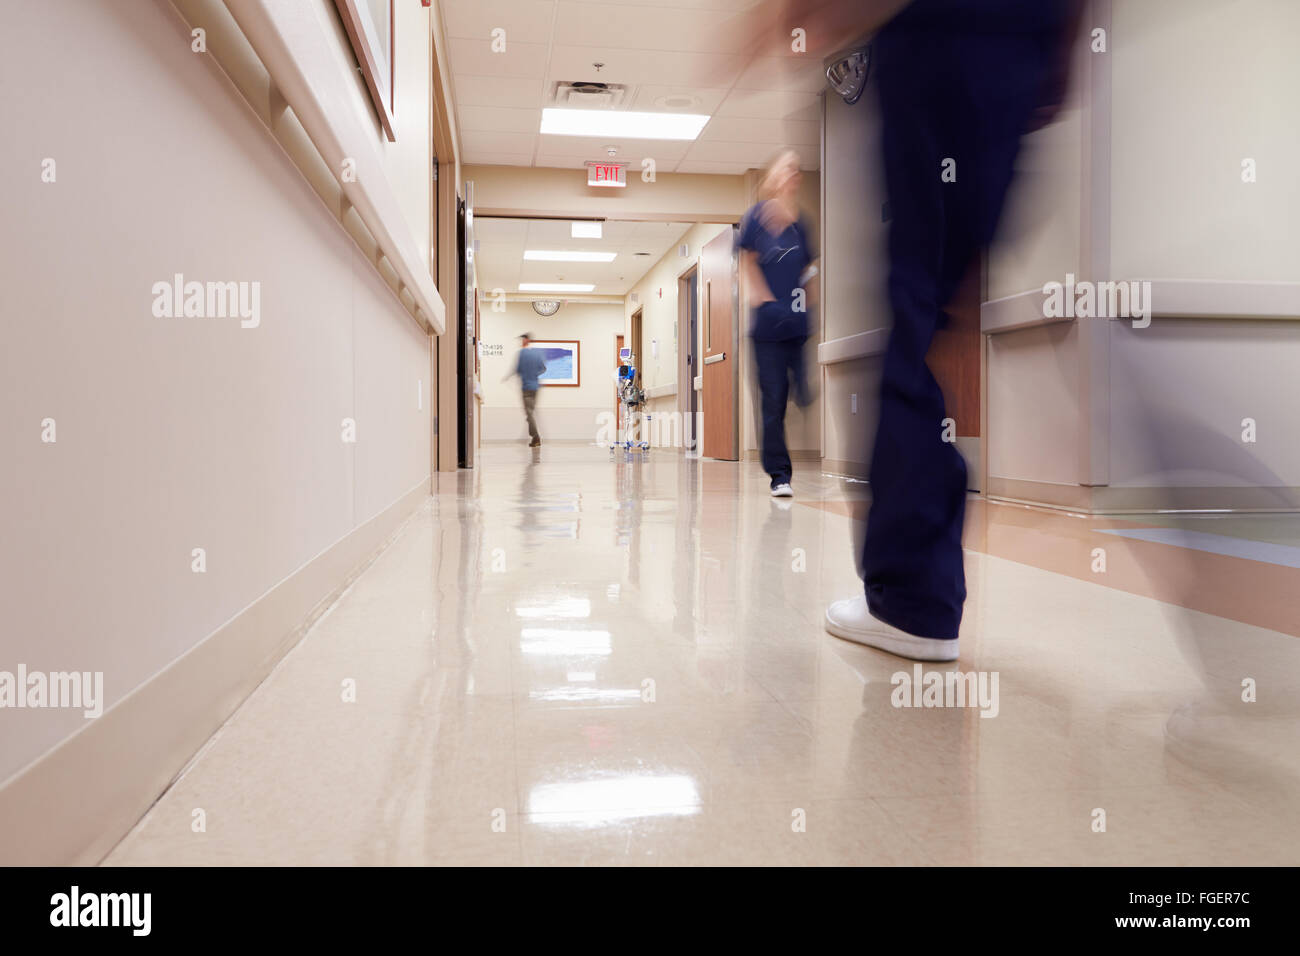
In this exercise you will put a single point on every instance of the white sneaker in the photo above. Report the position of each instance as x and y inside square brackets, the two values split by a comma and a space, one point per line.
[782, 490]
[850, 620]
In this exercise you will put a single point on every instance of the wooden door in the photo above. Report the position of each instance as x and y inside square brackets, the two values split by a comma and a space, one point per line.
[718, 357]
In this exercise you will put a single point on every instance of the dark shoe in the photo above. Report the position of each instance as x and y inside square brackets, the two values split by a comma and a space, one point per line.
[534, 443]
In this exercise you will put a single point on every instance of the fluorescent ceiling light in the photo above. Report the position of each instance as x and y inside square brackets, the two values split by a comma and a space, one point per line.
[559, 255]
[610, 125]
[585, 230]
[556, 287]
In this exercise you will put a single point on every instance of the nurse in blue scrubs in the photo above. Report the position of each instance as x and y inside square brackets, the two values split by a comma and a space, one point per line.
[778, 258]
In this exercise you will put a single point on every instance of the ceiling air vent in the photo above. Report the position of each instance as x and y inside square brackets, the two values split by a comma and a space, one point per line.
[583, 94]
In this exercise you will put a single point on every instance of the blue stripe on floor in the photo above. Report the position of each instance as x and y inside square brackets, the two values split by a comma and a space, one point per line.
[1282, 554]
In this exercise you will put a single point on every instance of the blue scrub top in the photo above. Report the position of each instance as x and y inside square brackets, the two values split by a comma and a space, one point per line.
[782, 259]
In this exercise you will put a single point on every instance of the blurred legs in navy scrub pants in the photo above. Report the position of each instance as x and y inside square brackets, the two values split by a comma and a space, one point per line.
[958, 80]
[780, 369]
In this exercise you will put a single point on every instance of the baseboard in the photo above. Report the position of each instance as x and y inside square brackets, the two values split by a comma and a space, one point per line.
[1048, 494]
[1108, 499]
[796, 454]
[1113, 500]
[847, 469]
[75, 802]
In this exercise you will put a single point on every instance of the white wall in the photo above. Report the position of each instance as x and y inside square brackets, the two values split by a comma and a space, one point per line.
[173, 433]
[1040, 233]
[563, 414]
[1153, 416]
[1180, 391]
[1033, 409]
[1200, 86]
[855, 273]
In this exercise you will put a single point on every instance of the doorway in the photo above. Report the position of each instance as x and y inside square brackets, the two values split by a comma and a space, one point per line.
[467, 342]
[638, 358]
[688, 324]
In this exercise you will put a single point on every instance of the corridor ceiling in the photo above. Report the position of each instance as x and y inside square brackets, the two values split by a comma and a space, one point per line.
[500, 258]
[714, 57]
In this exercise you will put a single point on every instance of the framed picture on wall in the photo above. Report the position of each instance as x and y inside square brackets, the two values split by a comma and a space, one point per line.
[370, 28]
[562, 365]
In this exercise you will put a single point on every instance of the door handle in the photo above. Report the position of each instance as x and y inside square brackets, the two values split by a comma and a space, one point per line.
[710, 359]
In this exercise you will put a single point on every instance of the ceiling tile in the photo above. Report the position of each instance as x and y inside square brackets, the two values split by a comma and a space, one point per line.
[500, 119]
[503, 91]
[645, 27]
[476, 56]
[782, 73]
[771, 104]
[771, 131]
[707, 101]
[521, 19]
[498, 142]
[644, 66]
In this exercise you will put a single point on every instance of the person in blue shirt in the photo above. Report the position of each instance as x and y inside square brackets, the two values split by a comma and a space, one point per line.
[778, 259]
[529, 366]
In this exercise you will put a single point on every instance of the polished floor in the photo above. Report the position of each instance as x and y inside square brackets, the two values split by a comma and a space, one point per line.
[564, 659]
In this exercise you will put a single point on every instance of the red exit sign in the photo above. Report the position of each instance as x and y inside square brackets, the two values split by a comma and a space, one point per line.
[607, 174]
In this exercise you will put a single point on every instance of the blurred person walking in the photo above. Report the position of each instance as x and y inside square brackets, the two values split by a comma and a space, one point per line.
[529, 366]
[959, 81]
[779, 263]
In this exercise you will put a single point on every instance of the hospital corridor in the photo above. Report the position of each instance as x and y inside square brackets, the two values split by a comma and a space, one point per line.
[649, 433]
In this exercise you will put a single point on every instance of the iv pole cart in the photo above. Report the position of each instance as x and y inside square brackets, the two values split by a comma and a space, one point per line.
[631, 398]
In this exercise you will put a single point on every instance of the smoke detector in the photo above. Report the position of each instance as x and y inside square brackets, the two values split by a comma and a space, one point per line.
[678, 101]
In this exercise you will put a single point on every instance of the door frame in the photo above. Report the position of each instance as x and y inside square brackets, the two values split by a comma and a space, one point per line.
[445, 264]
[687, 347]
[635, 324]
[731, 348]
